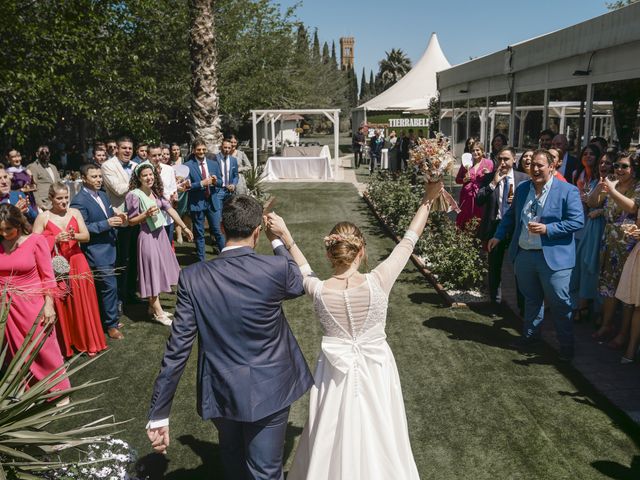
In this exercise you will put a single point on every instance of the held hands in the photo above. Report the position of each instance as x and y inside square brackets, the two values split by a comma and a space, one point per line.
[115, 221]
[22, 205]
[276, 228]
[159, 438]
[537, 228]
[151, 212]
[63, 237]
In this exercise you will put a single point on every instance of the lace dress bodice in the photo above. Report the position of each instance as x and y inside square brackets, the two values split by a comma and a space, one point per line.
[350, 313]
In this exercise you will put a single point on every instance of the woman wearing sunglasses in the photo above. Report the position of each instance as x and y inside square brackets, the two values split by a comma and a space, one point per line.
[620, 208]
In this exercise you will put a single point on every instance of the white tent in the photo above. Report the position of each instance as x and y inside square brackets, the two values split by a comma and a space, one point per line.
[413, 91]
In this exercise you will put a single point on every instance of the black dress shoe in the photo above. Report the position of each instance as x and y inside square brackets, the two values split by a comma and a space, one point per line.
[566, 355]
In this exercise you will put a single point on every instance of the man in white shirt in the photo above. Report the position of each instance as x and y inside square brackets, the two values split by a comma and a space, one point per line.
[116, 174]
[569, 162]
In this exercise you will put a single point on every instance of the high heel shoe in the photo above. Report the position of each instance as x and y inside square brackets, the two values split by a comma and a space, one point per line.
[625, 361]
[163, 319]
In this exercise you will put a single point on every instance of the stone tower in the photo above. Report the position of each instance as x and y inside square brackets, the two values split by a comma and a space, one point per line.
[346, 52]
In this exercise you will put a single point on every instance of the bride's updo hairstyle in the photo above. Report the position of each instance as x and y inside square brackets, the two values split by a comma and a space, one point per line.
[343, 244]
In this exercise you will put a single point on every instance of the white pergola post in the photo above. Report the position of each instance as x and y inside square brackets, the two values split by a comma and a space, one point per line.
[266, 134]
[587, 115]
[273, 134]
[254, 122]
[563, 120]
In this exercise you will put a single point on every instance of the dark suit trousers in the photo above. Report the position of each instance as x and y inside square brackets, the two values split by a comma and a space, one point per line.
[127, 262]
[107, 290]
[495, 260]
[213, 218]
[253, 451]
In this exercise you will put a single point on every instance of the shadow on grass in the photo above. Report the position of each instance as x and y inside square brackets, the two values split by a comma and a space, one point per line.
[618, 471]
[154, 466]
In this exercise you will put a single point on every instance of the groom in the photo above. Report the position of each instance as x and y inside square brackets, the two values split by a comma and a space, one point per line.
[250, 368]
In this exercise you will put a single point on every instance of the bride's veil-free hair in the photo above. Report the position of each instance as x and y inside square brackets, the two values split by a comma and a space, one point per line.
[344, 243]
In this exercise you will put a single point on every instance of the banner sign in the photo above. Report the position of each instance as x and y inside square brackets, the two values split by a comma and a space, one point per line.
[408, 122]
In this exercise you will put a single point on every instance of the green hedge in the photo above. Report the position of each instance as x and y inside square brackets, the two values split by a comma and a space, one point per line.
[454, 256]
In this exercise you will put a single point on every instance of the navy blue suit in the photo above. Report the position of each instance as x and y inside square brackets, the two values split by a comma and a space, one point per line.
[250, 368]
[544, 275]
[204, 202]
[100, 251]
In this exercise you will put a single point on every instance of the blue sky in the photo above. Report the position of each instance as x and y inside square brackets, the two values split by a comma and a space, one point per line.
[465, 28]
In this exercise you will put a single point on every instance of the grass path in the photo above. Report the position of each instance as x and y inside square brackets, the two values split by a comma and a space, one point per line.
[476, 409]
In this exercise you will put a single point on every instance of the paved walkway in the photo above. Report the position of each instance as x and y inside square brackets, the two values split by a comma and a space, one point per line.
[598, 364]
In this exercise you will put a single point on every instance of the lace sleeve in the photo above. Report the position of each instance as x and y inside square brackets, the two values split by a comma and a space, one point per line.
[387, 272]
[309, 279]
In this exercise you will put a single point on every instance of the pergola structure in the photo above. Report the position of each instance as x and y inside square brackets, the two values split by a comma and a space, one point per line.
[272, 116]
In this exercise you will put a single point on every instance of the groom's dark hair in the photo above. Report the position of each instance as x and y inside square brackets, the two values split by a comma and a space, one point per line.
[241, 215]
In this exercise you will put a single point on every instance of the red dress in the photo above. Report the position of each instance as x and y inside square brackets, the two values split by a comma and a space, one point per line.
[28, 275]
[78, 324]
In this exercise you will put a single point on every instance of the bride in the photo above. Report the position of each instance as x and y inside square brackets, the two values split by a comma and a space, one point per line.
[357, 427]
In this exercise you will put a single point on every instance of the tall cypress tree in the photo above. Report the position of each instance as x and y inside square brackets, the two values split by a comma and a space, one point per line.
[353, 88]
[316, 45]
[372, 85]
[334, 59]
[364, 88]
[326, 58]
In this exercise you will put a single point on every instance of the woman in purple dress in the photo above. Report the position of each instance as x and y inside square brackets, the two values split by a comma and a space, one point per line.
[21, 178]
[158, 267]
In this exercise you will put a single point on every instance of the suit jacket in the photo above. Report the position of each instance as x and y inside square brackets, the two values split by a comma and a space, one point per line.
[116, 182]
[197, 199]
[489, 198]
[43, 180]
[563, 215]
[233, 168]
[572, 164]
[14, 197]
[249, 363]
[100, 250]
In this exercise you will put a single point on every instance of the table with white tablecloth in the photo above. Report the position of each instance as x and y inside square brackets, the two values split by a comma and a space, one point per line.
[285, 168]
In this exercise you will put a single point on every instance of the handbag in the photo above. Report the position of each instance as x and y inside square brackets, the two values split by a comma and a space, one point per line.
[60, 264]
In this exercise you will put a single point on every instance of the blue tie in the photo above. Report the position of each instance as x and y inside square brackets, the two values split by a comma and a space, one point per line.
[504, 206]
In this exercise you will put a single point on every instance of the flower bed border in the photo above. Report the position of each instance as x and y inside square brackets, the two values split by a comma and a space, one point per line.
[417, 261]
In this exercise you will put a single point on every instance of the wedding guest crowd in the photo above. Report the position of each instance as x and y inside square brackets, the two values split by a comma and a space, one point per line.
[570, 227]
[80, 255]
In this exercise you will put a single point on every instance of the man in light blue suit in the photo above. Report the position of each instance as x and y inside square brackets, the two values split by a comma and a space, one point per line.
[250, 367]
[204, 198]
[542, 220]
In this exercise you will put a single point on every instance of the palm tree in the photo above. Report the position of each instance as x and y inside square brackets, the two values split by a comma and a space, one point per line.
[205, 121]
[394, 67]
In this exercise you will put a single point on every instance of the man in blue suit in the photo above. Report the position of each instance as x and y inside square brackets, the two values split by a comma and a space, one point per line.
[204, 198]
[100, 250]
[229, 169]
[542, 220]
[15, 198]
[250, 367]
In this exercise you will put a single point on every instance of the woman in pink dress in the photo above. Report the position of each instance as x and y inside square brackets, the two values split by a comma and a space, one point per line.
[27, 277]
[78, 324]
[470, 179]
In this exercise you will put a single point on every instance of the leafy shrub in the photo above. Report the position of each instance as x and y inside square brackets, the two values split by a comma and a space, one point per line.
[453, 255]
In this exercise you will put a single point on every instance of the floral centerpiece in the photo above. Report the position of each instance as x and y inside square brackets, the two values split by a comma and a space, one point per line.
[432, 159]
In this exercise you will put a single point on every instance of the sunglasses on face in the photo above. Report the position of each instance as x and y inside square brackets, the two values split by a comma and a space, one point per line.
[621, 166]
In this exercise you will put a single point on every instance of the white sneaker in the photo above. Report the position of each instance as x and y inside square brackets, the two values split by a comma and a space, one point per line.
[163, 319]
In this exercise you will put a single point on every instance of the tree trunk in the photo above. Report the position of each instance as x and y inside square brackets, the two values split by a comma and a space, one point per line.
[205, 121]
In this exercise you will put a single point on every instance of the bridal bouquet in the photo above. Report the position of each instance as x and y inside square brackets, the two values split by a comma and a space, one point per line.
[432, 159]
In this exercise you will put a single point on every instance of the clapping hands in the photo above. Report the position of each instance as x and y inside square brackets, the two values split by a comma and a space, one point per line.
[159, 438]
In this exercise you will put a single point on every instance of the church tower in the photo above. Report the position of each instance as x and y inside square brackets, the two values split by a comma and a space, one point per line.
[346, 52]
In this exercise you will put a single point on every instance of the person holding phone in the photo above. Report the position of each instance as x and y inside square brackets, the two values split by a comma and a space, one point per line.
[543, 217]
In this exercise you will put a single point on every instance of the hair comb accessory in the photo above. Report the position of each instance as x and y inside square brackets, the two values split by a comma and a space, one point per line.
[331, 240]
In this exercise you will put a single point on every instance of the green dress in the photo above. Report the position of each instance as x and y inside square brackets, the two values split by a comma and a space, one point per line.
[615, 246]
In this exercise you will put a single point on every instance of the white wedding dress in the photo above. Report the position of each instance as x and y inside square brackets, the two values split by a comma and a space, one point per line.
[357, 427]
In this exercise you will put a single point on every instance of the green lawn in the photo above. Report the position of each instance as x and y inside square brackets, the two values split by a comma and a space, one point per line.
[476, 409]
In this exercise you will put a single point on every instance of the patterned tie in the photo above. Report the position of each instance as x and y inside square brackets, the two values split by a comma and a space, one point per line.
[203, 172]
[504, 206]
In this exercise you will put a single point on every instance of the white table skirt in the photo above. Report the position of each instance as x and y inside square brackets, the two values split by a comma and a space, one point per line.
[284, 168]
